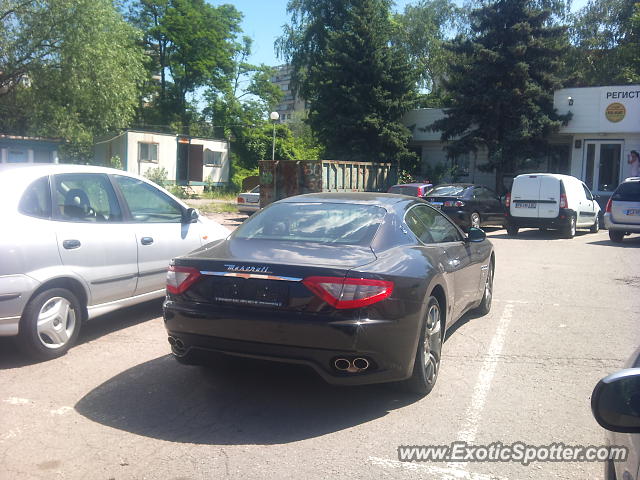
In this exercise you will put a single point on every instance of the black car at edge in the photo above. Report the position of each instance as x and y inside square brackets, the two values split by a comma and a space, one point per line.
[359, 286]
[468, 205]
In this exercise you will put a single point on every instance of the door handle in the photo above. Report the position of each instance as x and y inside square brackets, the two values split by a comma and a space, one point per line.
[71, 244]
[146, 240]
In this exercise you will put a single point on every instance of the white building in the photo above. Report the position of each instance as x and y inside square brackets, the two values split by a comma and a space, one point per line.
[290, 102]
[595, 145]
[16, 149]
[187, 160]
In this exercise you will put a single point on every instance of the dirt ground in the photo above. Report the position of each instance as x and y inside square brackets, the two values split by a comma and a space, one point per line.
[229, 220]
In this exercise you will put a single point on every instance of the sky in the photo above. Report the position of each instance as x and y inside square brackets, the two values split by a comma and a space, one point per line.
[263, 21]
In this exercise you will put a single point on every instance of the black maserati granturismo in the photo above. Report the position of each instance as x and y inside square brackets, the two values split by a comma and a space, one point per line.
[359, 286]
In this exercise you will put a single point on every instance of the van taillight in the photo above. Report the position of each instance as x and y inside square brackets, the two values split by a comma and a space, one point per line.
[608, 207]
[563, 201]
[507, 200]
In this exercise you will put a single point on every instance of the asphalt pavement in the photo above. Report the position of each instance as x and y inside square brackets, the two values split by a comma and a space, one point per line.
[117, 406]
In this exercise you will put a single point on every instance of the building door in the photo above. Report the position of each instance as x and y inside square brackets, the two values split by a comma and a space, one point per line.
[602, 166]
[195, 163]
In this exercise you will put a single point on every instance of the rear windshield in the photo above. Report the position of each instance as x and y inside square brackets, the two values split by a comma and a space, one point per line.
[447, 191]
[335, 223]
[627, 192]
[404, 190]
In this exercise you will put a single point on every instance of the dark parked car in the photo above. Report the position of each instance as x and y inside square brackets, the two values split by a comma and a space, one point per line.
[359, 286]
[615, 404]
[411, 189]
[468, 205]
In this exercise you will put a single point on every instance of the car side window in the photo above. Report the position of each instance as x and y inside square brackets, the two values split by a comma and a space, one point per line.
[36, 200]
[146, 203]
[85, 197]
[431, 226]
[587, 192]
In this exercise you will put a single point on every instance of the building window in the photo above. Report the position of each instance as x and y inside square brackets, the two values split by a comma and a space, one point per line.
[461, 163]
[147, 152]
[212, 159]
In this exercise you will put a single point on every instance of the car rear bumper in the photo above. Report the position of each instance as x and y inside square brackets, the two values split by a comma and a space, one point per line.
[559, 222]
[625, 227]
[389, 346]
[15, 291]
[247, 208]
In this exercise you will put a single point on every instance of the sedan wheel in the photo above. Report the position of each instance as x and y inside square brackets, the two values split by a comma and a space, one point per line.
[475, 220]
[616, 236]
[485, 304]
[427, 362]
[50, 324]
[596, 225]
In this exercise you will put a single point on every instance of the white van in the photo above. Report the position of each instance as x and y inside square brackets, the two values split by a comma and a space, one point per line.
[549, 200]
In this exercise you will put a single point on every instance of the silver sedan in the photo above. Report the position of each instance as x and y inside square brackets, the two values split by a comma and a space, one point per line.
[80, 241]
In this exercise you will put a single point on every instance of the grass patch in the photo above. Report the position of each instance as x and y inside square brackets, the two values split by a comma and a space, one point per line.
[218, 207]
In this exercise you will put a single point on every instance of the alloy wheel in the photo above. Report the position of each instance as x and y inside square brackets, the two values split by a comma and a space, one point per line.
[56, 322]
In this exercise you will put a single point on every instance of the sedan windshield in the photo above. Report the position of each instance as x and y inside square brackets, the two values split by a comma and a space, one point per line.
[337, 223]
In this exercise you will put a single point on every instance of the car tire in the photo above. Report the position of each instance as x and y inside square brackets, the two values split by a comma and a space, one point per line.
[485, 303]
[596, 226]
[570, 230]
[475, 220]
[50, 324]
[427, 362]
[512, 231]
[616, 236]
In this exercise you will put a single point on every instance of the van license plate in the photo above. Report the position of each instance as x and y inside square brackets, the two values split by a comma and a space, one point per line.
[633, 211]
[525, 205]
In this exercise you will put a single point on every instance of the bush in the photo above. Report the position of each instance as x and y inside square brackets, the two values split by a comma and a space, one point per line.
[158, 176]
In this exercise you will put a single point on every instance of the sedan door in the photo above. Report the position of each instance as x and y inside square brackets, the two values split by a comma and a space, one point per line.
[433, 228]
[93, 242]
[160, 233]
[587, 215]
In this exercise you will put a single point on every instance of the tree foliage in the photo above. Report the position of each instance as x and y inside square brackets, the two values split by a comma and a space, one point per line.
[422, 29]
[191, 45]
[606, 43]
[85, 84]
[502, 84]
[356, 83]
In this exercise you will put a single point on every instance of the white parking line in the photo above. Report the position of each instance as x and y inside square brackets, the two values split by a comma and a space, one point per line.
[441, 473]
[485, 377]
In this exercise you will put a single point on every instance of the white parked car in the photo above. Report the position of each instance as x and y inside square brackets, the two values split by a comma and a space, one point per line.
[80, 241]
[548, 200]
[622, 213]
[249, 202]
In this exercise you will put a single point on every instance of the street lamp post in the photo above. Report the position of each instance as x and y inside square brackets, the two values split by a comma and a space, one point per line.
[274, 116]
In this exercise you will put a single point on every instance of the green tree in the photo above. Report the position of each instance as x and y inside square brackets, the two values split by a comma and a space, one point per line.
[422, 30]
[86, 84]
[501, 84]
[357, 84]
[605, 42]
[192, 45]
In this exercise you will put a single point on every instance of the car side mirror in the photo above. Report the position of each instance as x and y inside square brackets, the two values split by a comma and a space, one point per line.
[476, 235]
[615, 401]
[190, 215]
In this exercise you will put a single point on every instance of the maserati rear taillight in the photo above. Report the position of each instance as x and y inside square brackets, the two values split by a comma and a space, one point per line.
[349, 292]
[179, 279]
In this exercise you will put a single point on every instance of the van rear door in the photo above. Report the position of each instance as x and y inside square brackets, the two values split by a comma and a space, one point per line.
[524, 196]
[549, 197]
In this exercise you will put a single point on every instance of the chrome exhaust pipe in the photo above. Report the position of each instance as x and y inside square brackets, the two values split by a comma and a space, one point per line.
[342, 364]
[172, 341]
[360, 364]
[179, 344]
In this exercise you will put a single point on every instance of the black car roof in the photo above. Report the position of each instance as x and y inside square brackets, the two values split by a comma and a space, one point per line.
[369, 198]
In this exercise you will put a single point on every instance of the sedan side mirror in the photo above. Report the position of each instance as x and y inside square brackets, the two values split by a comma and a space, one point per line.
[615, 402]
[476, 235]
[190, 215]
